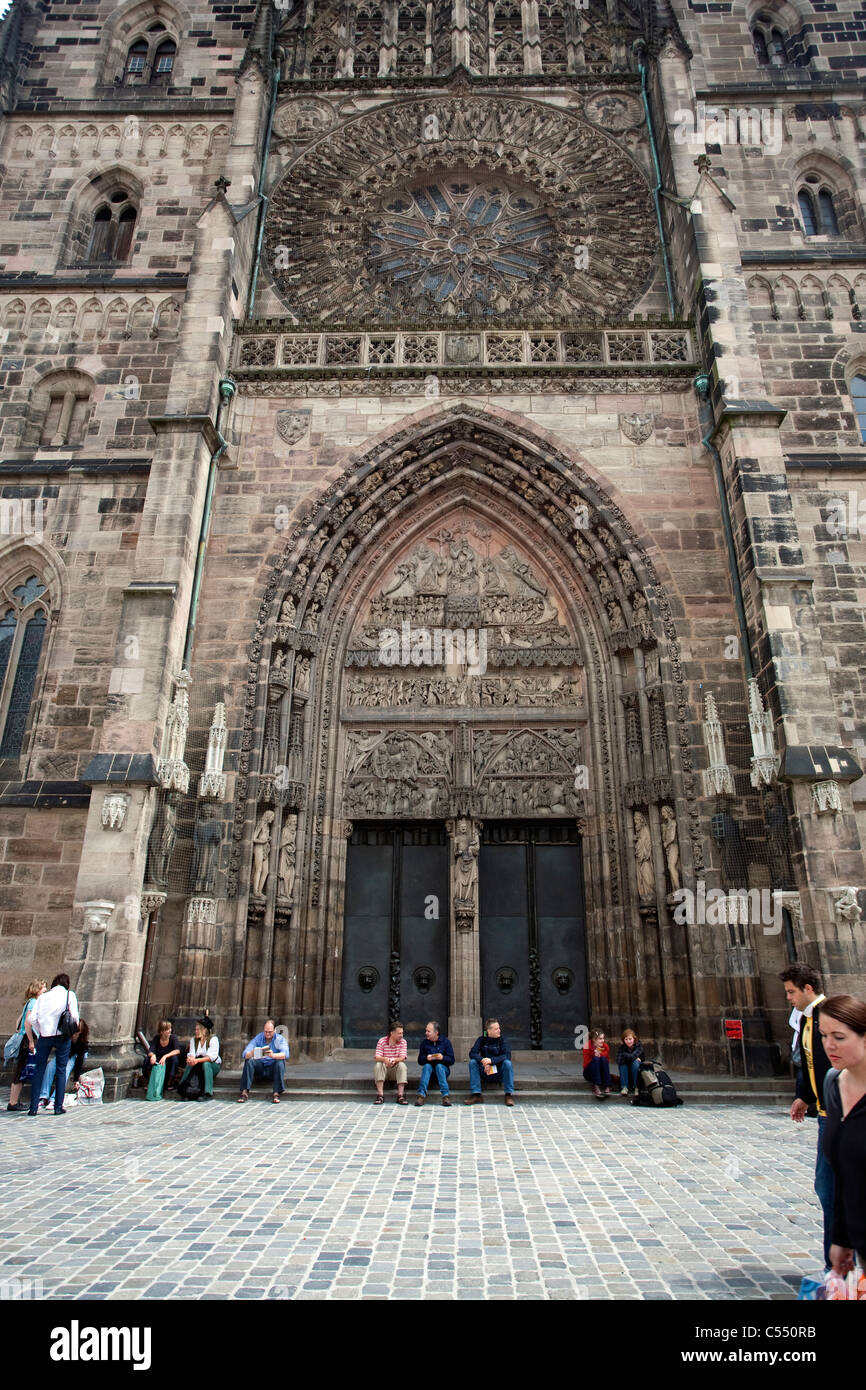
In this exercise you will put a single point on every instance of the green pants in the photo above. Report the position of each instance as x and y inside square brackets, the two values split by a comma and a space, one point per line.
[210, 1069]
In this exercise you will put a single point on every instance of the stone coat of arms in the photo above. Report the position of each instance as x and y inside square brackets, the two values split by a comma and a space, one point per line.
[637, 428]
[292, 425]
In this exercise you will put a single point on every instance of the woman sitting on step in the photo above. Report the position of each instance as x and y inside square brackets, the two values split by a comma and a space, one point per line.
[202, 1064]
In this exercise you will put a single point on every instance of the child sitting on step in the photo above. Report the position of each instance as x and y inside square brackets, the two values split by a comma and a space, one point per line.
[628, 1059]
[596, 1064]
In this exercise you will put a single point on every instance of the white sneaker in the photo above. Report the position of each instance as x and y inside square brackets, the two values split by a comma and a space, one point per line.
[624, 1091]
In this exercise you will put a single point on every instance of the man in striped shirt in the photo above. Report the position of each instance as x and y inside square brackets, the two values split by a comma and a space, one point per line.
[390, 1064]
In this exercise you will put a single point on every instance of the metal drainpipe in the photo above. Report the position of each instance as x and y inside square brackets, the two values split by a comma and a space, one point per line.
[226, 392]
[706, 418]
[658, 187]
[263, 173]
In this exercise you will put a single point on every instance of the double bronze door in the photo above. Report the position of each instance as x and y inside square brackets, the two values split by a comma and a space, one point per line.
[532, 931]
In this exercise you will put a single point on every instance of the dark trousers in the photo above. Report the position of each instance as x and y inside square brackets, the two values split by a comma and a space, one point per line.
[62, 1047]
[598, 1072]
[825, 1185]
[272, 1070]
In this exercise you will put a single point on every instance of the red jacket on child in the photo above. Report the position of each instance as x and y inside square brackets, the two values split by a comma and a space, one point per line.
[589, 1053]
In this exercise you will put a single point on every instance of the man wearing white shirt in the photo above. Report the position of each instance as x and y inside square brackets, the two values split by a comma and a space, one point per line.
[44, 1020]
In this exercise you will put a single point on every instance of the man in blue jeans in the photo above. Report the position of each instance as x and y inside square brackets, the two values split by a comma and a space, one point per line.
[265, 1055]
[436, 1055]
[803, 991]
[490, 1057]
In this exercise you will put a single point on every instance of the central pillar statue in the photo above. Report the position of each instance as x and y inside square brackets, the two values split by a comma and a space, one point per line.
[465, 1010]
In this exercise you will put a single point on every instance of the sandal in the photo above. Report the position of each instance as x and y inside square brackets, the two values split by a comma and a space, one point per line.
[401, 1100]
[276, 1100]
[380, 1100]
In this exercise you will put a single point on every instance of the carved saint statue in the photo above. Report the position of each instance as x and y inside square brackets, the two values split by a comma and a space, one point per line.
[466, 847]
[302, 675]
[643, 854]
[206, 842]
[671, 846]
[288, 854]
[288, 610]
[262, 852]
[160, 846]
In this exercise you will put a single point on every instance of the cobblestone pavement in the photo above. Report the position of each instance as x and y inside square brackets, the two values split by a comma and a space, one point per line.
[344, 1199]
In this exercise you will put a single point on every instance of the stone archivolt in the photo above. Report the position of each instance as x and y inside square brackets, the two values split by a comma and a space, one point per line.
[332, 209]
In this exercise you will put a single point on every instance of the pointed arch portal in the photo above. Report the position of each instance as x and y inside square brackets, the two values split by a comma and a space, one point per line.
[465, 692]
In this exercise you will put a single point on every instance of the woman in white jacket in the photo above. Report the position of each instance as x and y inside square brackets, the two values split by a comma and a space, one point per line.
[204, 1052]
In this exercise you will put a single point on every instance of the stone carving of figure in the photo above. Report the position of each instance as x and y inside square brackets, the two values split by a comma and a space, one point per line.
[640, 608]
[302, 675]
[161, 843]
[627, 575]
[671, 846]
[643, 854]
[288, 610]
[847, 906]
[652, 666]
[288, 854]
[206, 842]
[262, 852]
[466, 847]
[278, 666]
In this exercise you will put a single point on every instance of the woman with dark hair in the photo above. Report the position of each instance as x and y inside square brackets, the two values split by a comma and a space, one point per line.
[74, 1067]
[843, 1030]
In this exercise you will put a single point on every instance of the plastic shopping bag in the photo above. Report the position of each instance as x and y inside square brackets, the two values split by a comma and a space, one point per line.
[91, 1087]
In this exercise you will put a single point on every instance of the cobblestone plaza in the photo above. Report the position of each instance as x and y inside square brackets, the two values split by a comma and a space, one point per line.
[343, 1200]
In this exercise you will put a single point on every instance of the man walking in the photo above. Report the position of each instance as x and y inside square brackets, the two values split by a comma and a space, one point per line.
[265, 1055]
[803, 991]
[490, 1057]
[436, 1055]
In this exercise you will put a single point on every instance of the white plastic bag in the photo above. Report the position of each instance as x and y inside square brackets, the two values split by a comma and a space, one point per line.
[91, 1086]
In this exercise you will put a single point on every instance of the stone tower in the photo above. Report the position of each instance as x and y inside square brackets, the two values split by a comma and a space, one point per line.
[431, 547]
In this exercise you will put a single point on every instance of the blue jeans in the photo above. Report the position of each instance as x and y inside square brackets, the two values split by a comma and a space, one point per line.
[628, 1074]
[441, 1076]
[825, 1185]
[44, 1047]
[597, 1073]
[505, 1070]
[272, 1071]
[50, 1071]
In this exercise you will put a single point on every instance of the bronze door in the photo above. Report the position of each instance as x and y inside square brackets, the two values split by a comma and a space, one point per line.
[533, 932]
[395, 942]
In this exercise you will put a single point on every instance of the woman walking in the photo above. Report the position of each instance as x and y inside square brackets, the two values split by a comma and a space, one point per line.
[843, 1032]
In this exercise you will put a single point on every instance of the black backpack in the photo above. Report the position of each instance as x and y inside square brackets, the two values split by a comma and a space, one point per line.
[655, 1087]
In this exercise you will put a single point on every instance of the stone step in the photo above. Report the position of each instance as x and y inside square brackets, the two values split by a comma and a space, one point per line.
[341, 1080]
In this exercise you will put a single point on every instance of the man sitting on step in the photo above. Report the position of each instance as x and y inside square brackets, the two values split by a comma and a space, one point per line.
[435, 1058]
[490, 1057]
[265, 1055]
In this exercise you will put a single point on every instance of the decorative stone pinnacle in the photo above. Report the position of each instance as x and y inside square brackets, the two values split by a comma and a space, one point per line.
[718, 778]
[765, 760]
[212, 782]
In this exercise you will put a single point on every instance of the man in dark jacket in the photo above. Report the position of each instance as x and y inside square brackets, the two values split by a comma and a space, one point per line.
[436, 1055]
[490, 1057]
[803, 991]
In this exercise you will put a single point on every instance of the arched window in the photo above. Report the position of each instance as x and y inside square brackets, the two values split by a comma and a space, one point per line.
[151, 57]
[164, 60]
[112, 230]
[136, 61]
[858, 396]
[817, 208]
[24, 614]
[771, 41]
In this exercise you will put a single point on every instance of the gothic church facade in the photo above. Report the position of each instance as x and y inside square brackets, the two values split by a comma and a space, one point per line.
[431, 555]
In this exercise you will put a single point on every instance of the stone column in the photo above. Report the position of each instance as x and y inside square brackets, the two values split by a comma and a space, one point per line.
[465, 1010]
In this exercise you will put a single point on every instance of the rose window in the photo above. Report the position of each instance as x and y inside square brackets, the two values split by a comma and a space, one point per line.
[454, 243]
